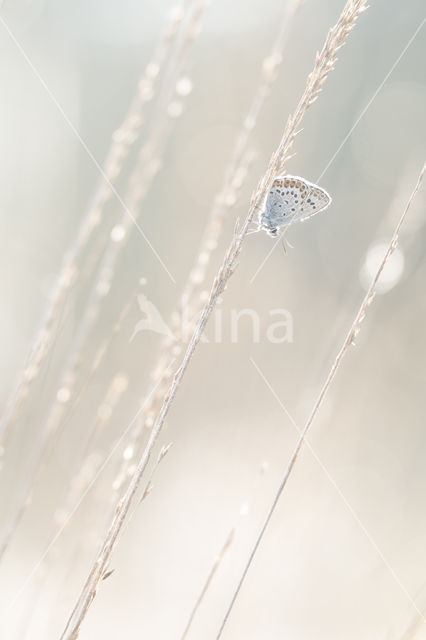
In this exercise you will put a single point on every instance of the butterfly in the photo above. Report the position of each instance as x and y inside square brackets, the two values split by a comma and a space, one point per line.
[291, 199]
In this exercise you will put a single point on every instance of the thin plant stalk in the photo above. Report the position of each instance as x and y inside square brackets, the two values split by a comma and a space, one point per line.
[102, 464]
[149, 161]
[217, 562]
[122, 140]
[237, 168]
[190, 303]
[349, 340]
[80, 484]
[213, 570]
[184, 320]
[324, 64]
[42, 453]
[90, 466]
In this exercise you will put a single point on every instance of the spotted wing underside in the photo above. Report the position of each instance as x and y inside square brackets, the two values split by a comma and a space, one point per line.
[292, 199]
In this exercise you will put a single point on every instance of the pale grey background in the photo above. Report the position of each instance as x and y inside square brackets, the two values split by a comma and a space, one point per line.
[317, 574]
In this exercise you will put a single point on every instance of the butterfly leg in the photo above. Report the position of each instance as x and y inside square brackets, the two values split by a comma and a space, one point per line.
[254, 230]
[257, 225]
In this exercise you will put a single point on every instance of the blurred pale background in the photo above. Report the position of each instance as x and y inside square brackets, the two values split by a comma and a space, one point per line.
[317, 574]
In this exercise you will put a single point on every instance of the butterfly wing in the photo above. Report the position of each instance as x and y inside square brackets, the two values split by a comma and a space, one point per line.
[283, 202]
[292, 199]
[317, 200]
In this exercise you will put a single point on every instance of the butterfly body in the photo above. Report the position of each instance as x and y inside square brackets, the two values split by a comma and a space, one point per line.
[291, 199]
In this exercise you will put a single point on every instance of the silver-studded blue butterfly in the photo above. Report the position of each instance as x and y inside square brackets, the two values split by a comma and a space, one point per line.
[291, 199]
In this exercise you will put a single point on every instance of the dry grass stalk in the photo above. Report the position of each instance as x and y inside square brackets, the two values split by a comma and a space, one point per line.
[349, 340]
[96, 427]
[122, 140]
[92, 461]
[79, 486]
[213, 570]
[244, 509]
[236, 171]
[184, 320]
[324, 64]
[42, 452]
[95, 470]
[149, 161]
